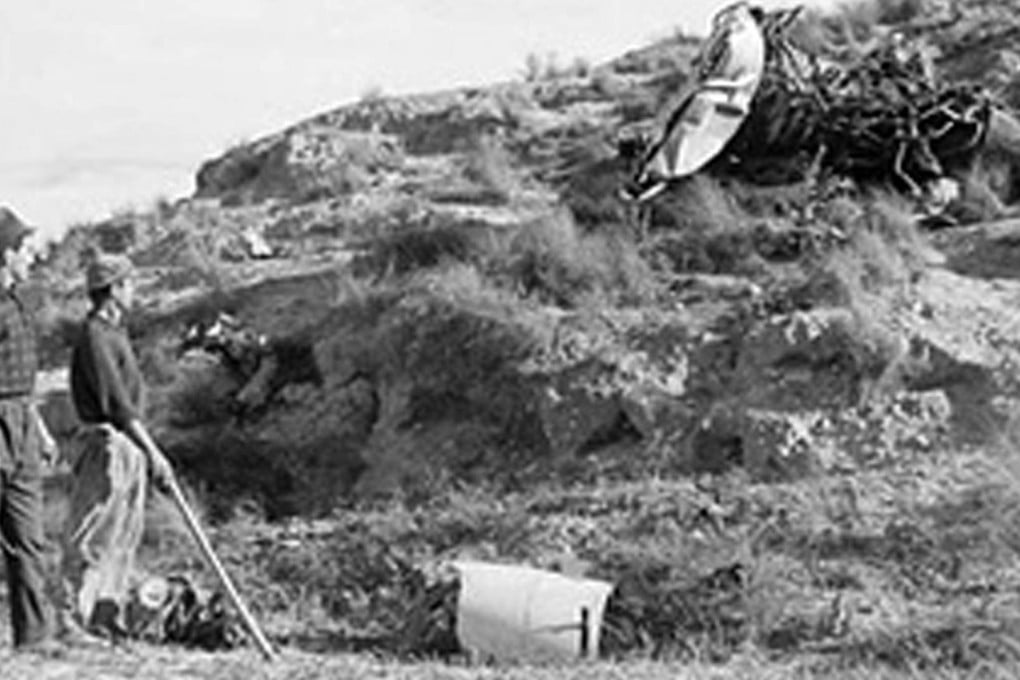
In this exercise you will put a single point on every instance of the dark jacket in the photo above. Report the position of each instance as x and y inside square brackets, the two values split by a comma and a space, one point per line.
[106, 384]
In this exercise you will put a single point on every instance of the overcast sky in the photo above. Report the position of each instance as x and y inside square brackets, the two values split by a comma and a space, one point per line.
[105, 104]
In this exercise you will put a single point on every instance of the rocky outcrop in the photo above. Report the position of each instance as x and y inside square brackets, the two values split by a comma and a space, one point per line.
[305, 164]
[418, 388]
[989, 251]
[723, 369]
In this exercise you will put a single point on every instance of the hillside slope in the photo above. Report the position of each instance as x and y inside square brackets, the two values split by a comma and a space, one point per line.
[481, 351]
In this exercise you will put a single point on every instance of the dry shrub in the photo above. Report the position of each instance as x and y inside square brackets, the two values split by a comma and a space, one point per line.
[882, 254]
[768, 201]
[465, 284]
[186, 258]
[883, 247]
[158, 362]
[891, 217]
[701, 204]
[58, 319]
[702, 229]
[860, 272]
[899, 11]
[370, 222]
[856, 20]
[607, 84]
[339, 179]
[549, 259]
[489, 166]
[985, 191]
[351, 165]
[415, 248]
[844, 32]
[773, 583]
[852, 24]
[591, 173]
[639, 105]
[200, 395]
[1005, 450]
[670, 54]
[63, 261]
[233, 473]
[487, 176]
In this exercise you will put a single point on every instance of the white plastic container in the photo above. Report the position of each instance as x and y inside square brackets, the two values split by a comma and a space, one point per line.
[512, 613]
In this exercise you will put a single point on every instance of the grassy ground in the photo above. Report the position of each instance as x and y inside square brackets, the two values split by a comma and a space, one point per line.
[302, 579]
[170, 664]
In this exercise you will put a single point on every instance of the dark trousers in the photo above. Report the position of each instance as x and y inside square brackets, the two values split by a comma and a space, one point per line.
[23, 544]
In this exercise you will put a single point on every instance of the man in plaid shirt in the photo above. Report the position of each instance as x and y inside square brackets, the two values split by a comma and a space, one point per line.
[24, 443]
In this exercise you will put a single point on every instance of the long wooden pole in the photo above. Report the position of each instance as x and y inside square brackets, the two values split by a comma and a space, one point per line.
[207, 551]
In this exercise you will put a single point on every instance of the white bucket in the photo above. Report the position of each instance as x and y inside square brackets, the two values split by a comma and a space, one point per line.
[511, 613]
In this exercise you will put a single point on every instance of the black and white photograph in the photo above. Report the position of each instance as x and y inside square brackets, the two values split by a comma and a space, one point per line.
[533, 340]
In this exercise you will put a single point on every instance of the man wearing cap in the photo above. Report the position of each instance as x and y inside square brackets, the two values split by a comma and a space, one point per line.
[106, 517]
[22, 445]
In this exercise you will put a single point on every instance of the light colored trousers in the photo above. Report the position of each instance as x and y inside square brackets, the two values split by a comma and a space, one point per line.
[104, 526]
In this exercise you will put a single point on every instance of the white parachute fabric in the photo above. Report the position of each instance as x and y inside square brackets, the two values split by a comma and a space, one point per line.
[513, 613]
[730, 67]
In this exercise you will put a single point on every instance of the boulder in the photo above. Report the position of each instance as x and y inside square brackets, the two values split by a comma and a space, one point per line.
[778, 446]
[807, 360]
[990, 250]
[304, 164]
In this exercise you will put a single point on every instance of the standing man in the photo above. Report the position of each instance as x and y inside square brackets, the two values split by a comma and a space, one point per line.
[107, 513]
[21, 445]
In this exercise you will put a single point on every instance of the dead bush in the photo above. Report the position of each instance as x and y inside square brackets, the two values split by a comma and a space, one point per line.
[158, 363]
[415, 248]
[710, 253]
[200, 395]
[489, 166]
[232, 472]
[899, 11]
[883, 247]
[337, 180]
[58, 318]
[463, 283]
[700, 227]
[698, 204]
[592, 174]
[63, 261]
[549, 259]
[348, 163]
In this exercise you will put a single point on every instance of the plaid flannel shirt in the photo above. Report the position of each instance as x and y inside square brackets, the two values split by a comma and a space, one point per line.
[18, 359]
[19, 443]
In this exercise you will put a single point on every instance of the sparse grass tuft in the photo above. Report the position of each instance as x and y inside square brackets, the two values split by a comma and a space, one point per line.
[700, 204]
[883, 250]
[414, 248]
[550, 260]
[489, 166]
[700, 227]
